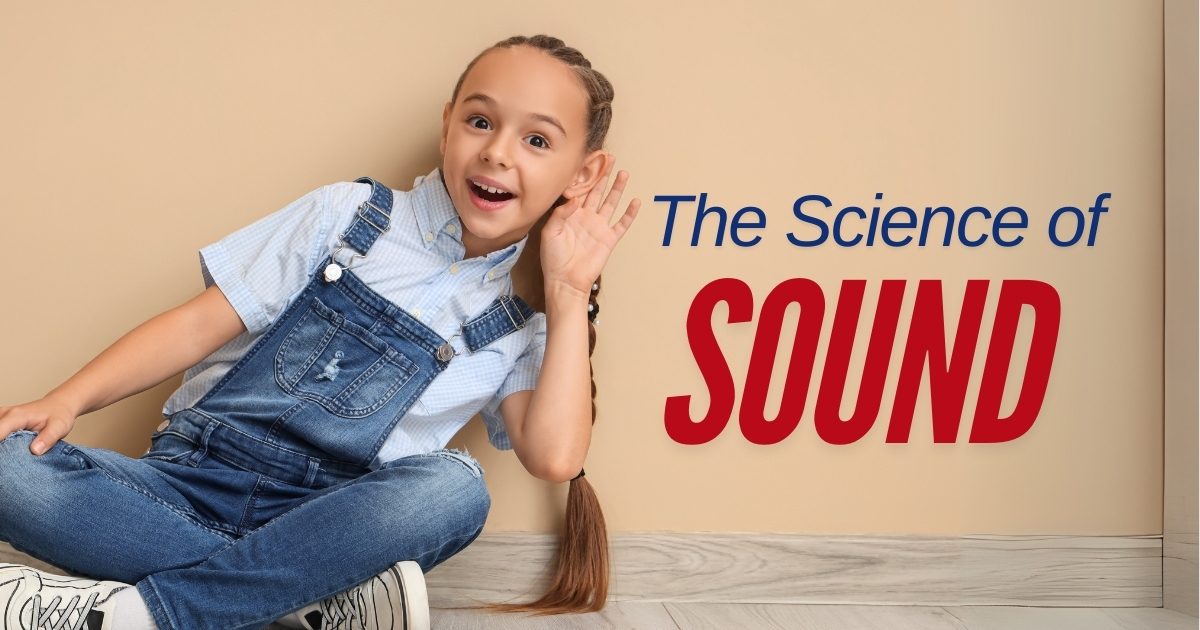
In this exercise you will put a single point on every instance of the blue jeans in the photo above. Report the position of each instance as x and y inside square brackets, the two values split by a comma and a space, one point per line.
[209, 545]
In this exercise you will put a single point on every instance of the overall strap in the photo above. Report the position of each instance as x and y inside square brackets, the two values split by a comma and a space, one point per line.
[374, 217]
[505, 315]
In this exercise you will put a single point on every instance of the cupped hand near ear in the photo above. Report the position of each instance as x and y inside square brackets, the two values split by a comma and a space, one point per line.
[577, 238]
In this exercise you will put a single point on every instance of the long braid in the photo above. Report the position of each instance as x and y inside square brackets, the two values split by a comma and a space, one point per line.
[593, 313]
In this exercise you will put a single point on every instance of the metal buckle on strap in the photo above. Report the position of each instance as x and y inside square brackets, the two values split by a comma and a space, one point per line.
[445, 352]
[377, 209]
[333, 271]
[504, 300]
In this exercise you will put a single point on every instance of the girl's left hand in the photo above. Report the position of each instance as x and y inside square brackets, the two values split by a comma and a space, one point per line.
[577, 240]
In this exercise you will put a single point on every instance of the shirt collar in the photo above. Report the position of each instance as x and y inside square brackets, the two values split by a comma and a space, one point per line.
[435, 210]
[433, 207]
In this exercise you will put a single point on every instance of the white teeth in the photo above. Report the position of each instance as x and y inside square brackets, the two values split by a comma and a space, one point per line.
[487, 188]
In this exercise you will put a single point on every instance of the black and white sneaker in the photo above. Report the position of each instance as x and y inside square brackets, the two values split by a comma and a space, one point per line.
[36, 600]
[393, 600]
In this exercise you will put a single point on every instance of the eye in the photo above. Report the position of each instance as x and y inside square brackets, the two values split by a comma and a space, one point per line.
[538, 142]
[479, 122]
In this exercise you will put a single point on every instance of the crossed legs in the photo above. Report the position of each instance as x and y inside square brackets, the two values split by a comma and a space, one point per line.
[111, 517]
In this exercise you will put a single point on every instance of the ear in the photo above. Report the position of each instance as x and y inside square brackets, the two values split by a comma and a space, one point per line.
[445, 126]
[589, 173]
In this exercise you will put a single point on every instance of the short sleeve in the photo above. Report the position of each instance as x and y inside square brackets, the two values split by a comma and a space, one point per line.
[523, 376]
[262, 266]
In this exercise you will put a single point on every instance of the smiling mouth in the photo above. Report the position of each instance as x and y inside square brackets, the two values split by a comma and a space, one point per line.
[489, 194]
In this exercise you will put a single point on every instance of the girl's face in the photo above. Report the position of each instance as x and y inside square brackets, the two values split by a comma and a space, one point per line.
[513, 142]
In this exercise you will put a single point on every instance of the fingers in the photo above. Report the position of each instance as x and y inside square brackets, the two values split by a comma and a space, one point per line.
[567, 209]
[627, 219]
[11, 419]
[8, 421]
[592, 202]
[49, 436]
[614, 196]
[50, 423]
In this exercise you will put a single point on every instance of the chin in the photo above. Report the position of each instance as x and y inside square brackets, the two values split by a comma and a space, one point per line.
[489, 225]
[485, 231]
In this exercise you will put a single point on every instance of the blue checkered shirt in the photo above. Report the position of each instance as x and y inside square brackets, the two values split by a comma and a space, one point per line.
[417, 265]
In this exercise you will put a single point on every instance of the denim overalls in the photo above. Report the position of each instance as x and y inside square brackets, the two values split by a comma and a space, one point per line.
[259, 500]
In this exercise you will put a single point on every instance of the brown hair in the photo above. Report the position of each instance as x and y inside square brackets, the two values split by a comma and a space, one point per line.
[580, 582]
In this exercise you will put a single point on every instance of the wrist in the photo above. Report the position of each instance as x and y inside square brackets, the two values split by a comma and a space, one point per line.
[63, 398]
[565, 302]
[564, 294]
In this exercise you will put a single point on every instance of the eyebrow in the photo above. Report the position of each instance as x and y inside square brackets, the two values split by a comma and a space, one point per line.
[487, 100]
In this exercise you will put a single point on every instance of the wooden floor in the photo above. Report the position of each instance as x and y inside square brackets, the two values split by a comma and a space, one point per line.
[641, 615]
[800, 568]
[697, 616]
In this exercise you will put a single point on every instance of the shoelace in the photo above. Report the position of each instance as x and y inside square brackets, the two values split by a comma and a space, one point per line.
[43, 618]
[342, 609]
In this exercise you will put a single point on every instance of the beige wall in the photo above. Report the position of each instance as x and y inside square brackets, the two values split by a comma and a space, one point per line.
[135, 133]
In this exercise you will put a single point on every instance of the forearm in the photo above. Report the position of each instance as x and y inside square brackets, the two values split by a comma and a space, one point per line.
[557, 429]
[151, 353]
[551, 427]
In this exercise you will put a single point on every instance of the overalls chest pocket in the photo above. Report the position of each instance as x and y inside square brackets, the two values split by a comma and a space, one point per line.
[340, 365]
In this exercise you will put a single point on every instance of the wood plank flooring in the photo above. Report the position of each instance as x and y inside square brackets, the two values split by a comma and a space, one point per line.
[811, 617]
[704, 616]
[787, 568]
[624, 615]
[990, 574]
[783, 568]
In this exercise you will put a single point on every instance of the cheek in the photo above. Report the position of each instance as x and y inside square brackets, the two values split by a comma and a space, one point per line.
[451, 149]
[557, 179]
[458, 145]
[556, 173]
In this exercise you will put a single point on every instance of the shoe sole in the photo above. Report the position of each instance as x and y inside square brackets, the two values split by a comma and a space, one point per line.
[415, 597]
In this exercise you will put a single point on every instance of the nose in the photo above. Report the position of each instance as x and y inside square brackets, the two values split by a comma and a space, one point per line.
[495, 152]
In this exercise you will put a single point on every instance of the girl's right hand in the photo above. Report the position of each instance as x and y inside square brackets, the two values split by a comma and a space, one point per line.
[148, 355]
[51, 418]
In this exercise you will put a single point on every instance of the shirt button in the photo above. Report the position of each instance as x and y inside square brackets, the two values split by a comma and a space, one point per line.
[450, 228]
[417, 313]
[454, 268]
[429, 236]
[492, 274]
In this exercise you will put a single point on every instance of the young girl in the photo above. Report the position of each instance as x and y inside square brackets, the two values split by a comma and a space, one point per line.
[340, 343]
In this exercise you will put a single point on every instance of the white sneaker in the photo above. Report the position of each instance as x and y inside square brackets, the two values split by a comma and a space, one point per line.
[35, 600]
[393, 600]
